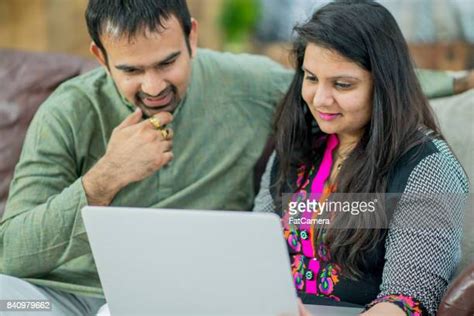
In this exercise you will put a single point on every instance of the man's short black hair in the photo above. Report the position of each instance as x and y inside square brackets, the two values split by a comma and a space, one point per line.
[127, 17]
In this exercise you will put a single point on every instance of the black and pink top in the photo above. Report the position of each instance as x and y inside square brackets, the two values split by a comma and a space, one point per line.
[385, 278]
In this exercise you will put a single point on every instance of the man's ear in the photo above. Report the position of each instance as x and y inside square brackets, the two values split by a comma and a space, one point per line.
[99, 55]
[193, 36]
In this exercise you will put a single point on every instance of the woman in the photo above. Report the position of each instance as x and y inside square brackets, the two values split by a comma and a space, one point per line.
[356, 121]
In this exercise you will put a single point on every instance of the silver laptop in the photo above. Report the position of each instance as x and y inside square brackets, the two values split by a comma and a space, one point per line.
[190, 262]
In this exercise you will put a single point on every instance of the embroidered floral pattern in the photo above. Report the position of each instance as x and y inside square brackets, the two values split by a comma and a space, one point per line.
[328, 278]
[312, 270]
[410, 306]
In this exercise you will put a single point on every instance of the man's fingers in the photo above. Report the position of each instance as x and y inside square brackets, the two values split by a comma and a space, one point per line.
[132, 119]
[166, 133]
[159, 120]
[167, 157]
[167, 146]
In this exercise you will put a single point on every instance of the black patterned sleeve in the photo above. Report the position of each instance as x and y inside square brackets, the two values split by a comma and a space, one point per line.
[423, 246]
[264, 201]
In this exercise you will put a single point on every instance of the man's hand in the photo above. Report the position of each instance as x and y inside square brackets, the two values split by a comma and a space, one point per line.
[135, 151]
[464, 82]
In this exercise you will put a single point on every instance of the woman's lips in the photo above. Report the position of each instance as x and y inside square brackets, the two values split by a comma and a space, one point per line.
[328, 116]
[158, 102]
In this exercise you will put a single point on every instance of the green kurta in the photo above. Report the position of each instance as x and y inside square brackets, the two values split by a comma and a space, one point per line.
[220, 129]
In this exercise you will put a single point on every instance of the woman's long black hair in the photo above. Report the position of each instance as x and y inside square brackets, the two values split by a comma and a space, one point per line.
[367, 34]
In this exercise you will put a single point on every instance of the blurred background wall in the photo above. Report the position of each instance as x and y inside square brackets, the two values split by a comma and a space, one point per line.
[44, 25]
[440, 32]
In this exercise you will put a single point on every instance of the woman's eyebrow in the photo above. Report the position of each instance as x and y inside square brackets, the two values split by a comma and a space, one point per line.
[306, 70]
[303, 68]
[344, 77]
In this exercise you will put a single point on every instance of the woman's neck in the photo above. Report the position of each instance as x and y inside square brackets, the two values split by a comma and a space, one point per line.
[347, 143]
[345, 147]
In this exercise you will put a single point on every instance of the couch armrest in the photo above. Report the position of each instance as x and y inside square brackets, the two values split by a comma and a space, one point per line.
[458, 298]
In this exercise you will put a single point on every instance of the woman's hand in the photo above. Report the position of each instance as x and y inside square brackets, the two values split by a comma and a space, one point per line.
[385, 308]
[302, 311]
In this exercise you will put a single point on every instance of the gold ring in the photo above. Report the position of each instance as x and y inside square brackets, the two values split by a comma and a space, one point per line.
[154, 121]
[165, 133]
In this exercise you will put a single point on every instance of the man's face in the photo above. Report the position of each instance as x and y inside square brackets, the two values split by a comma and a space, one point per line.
[152, 69]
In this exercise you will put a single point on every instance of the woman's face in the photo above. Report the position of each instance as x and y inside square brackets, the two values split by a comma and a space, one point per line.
[337, 91]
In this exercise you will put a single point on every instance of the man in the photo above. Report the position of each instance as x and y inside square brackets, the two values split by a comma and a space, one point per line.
[162, 124]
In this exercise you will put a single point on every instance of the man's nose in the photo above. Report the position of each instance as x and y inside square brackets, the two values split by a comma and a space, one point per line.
[153, 83]
[323, 96]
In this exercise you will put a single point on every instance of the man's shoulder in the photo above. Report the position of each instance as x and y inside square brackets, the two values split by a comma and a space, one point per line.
[84, 89]
[87, 83]
[78, 100]
[233, 63]
[253, 74]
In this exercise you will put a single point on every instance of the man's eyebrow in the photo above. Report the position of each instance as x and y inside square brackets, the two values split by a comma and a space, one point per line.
[127, 67]
[166, 60]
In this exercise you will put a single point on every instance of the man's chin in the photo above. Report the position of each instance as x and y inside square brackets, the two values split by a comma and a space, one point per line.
[150, 111]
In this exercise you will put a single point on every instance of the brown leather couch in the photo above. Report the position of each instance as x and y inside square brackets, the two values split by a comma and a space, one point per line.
[27, 79]
[459, 298]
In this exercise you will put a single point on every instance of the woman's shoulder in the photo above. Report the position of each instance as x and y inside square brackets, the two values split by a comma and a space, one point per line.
[429, 165]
